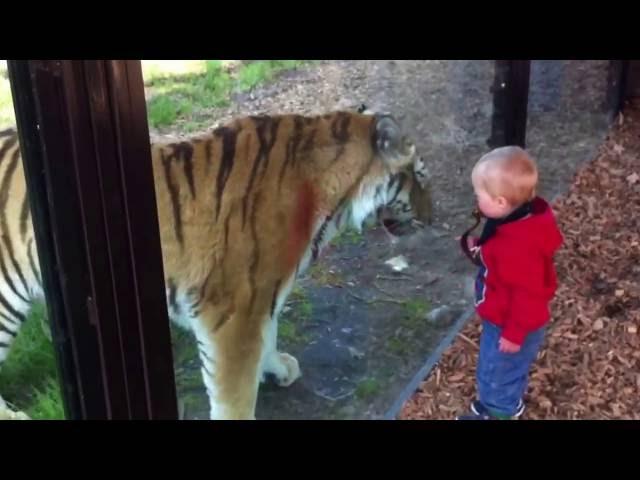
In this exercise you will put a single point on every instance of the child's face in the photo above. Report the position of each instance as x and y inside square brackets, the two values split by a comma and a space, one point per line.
[491, 207]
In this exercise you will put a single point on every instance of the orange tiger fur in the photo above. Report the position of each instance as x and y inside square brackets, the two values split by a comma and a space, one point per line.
[242, 210]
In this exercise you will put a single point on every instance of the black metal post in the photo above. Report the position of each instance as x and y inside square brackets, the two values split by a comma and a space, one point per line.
[85, 143]
[617, 86]
[632, 79]
[24, 101]
[510, 101]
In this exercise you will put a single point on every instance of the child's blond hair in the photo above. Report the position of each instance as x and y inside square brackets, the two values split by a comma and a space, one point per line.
[509, 172]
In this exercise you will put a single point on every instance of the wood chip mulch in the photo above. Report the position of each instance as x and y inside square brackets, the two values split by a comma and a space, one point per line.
[590, 365]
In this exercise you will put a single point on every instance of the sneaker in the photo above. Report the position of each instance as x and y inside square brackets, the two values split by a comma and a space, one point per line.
[474, 416]
[477, 408]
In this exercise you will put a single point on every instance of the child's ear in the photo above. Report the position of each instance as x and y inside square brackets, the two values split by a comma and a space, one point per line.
[502, 202]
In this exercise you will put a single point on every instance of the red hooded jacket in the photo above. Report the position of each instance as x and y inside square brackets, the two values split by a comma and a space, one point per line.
[517, 279]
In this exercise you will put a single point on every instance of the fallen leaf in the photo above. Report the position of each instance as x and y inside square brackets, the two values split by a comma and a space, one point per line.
[398, 263]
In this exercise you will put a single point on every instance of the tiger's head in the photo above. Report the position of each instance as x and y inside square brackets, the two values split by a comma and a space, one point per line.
[405, 205]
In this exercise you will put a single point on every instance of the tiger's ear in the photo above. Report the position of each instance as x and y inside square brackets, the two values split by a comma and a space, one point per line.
[394, 146]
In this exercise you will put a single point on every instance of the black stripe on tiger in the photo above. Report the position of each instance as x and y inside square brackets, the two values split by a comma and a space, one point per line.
[292, 147]
[317, 240]
[24, 216]
[5, 329]
[174, 191]
[195, 306]
[340, 133]
[207, 153]
[309, 142]
[274, 298]
[392, 180]
[172, 296]
[264, 149]
[339, 219]
[204, 366]
[8, 279]
[269, 144]
[9, 321]
[7, 132]
[315, 248]
[204, 353]
[4, 197]
[7, 145]
[7, 306]
[255, 254]
[221, 322]
[32, 263]
[183, 152]
[229, 138]
[401, 181]
[340, 127]
[4, 345]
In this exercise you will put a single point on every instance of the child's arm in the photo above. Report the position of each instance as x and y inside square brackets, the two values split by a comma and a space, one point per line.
[519, 272]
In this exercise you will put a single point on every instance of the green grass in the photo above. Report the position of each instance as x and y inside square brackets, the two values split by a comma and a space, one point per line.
[413, 314]
[323, 276]
[264, 70]
[182, 94]
[291, 325]
[367, 388]
[415, 311]
[398, 345]
[29, 377]
[7, 115]
[349, 236]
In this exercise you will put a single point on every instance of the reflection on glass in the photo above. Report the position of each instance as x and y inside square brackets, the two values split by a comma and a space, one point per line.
[29, 381]
[362, 320]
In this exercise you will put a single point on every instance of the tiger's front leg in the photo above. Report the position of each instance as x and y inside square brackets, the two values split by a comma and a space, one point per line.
[231, 349]
[284, 367]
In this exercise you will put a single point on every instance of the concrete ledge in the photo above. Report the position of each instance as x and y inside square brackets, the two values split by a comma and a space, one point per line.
[411, 387]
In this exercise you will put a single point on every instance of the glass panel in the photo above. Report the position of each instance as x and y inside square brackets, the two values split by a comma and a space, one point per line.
[29, 380]
[568, 117]
[359, 327]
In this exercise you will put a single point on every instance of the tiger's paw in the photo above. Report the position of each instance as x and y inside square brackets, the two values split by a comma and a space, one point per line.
[284, 368]
[7, 414]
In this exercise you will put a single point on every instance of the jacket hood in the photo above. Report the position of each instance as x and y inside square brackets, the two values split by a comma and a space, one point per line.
[538, 231]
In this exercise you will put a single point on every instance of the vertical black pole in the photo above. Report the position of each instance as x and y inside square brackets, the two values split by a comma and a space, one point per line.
[510, 101]
[85, 146]
[24, 101]
[617, 86]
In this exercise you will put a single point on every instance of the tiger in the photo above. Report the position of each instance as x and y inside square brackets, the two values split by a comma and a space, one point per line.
[243, 210]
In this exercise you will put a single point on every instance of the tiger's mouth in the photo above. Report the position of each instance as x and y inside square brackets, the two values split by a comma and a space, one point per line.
[396, 227]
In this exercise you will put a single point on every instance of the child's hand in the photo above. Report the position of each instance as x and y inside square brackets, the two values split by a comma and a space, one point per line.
[471, 242]
[506, 346]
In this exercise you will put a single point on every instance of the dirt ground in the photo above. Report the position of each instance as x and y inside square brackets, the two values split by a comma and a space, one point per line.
[360, 330]
[589, 367]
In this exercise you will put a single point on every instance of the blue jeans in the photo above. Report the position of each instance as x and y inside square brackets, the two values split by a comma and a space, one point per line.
[502, 378]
